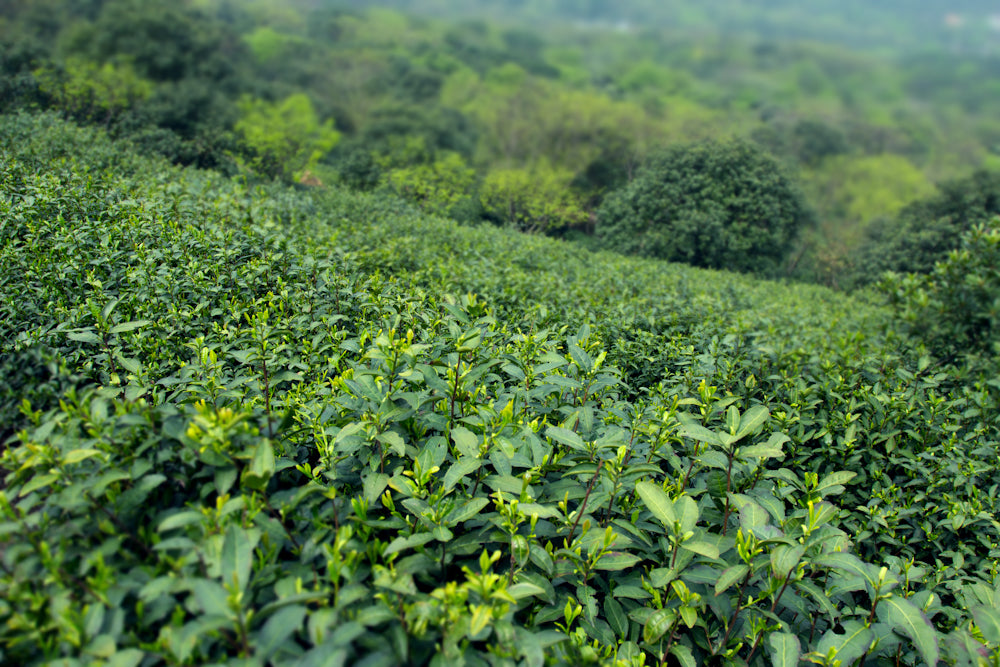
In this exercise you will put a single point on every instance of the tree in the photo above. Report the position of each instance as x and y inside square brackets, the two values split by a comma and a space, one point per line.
[532, 200]
[284, 138]
[927, 230]
[442, 187]
[956, 307]
[710, 204]
[92, 92]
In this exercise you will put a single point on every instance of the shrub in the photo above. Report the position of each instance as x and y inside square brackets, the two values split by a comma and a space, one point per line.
[956, 307]
[709, 204]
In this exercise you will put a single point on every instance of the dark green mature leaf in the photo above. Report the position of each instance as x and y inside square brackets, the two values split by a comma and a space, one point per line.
[212, 598]
[656, 500]
[566, 437]
[785, 649]
[86, 337]
[730, 576]
[700, 433]
[129, 326]
[988, 621]
[237, 557]
[615, 560]
[616, 617]
[466, 442]
[402, 543]
[278, 629]
[785, 558]
[904, 617]
[832, 483]
[751, 420]
[706, 549]
[684, 655]
[457, 471]
[850, 565]
[262, 466]
[850, 645]
[658, 623]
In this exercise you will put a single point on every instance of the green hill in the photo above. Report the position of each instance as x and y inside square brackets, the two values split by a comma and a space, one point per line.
[286, 426]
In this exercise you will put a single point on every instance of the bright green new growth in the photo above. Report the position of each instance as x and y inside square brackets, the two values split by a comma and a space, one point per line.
[92, 92]
[286, 137]
[532, 200]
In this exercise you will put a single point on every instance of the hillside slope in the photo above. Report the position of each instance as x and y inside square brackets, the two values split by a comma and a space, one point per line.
[270, 426]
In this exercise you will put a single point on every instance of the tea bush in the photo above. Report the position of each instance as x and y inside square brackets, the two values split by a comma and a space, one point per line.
[262, 426]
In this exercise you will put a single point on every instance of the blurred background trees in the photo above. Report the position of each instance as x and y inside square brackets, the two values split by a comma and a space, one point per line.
[543, 118]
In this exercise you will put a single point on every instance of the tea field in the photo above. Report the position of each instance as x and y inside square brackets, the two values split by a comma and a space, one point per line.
[248, 425]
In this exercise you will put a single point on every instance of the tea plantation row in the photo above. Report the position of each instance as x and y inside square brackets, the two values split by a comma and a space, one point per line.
[264, 426]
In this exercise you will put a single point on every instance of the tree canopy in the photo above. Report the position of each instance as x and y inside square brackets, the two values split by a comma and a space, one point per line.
[710, 204]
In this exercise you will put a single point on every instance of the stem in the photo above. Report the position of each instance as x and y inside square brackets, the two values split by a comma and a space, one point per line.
[454, 390]
[736, 612]
[670, 642]
[583, 505]
[267, 394]
[729, 478]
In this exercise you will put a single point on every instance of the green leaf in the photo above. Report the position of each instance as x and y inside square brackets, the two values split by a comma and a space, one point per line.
[657, 502]
[658, 624]
[277, 630]
[211, 597]
[463, 513]
[130, 657]
[706, 549]
[614, 561]
[751, 420]
[466, 442]
[753, 516]
[86, 337]
[830, 483]
[784, 558]
[732, 420]
[684, 655]
[526, 589]
[988, 621]
[730, 576]
[785, 649]
[904, 617]
[261, 468]
[394, 442]
[237, 557]
[373, 486]
[129, 326]
[849, 564]
[687, 512]
[615, 615]
[700, 433]
[566, 437]
[78, 455]
[767, 450]
[461, 468]
[409, 542]
[853, 643]
[180, 520]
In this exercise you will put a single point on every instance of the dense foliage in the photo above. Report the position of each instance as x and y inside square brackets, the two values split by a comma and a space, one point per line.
[275, 427]
[926, 231]
[955, 307]
[711, 205]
